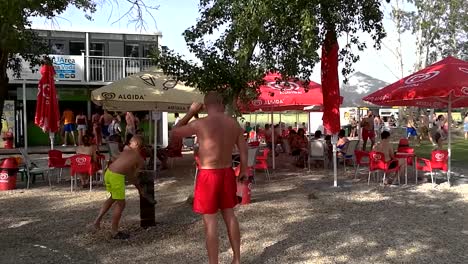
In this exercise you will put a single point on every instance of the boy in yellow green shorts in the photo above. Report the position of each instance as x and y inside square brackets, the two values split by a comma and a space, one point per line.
[126, 165]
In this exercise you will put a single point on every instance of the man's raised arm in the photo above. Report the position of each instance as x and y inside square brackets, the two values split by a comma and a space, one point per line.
[182, 129]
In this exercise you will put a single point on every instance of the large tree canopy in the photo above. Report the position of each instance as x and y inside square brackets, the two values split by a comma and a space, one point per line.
[238, 41]
[441, 28]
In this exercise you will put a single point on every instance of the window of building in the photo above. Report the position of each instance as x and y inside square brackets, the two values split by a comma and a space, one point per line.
[148, 49]
[77, 47]
[132, 50]
[96, 49]
[57, 47]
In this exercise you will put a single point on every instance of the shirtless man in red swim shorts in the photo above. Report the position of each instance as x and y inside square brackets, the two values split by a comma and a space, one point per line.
[367, 125]
[215, 188]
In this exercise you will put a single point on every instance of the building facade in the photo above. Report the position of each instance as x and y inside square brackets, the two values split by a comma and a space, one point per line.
[83, 61]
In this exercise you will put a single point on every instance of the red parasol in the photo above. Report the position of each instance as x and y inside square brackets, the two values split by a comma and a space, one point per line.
[443, 84]
[330, 84]
[276, 95]
[47, 113]
[429, 87]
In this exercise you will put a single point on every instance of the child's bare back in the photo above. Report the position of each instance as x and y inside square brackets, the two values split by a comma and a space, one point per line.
[128, 163]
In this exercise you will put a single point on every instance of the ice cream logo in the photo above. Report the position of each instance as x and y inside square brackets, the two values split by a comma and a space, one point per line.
[421, 77]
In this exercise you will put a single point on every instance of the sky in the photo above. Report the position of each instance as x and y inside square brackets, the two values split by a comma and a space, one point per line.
[173, 17]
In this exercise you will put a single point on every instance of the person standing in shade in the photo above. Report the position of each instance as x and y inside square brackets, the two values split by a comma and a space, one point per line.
[177, 118]
[216, 187]
[367, 125]
[106, 120]
[97, 130]
[81, 122]
[424, 127]
[130, 128]
[465, 126]
[377, 126]
[68, 126]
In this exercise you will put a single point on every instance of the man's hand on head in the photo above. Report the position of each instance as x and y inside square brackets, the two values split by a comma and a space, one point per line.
[195, 108]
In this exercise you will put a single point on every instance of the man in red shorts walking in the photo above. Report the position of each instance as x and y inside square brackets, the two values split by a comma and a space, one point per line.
[368, 130]
[216, 186]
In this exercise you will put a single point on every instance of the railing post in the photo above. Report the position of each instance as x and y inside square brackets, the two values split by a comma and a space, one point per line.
[103, 69]
[123, 68]
[87, 58]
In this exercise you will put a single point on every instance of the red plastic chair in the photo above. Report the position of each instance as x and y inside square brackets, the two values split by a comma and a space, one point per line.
[81, 164]
[56, 161]
[262, 162]
[377, 163]
[362, 159]
[439, 161]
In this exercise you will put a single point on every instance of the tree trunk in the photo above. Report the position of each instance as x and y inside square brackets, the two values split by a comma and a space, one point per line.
[3, 82]
[231, 105]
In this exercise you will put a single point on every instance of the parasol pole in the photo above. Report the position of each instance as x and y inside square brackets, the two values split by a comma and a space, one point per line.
[25, 116]
[449, 120]
[255, 128]
[272, 129]
[155, 145]
[150, 129]
[51, 138]
[297, 121]
[358, 123]
[335, 165]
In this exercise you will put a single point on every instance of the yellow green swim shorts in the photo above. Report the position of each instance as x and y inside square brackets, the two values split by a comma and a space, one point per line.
[115, 184]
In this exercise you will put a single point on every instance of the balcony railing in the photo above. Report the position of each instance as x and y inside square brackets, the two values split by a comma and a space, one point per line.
[109, 69]
[83, 69]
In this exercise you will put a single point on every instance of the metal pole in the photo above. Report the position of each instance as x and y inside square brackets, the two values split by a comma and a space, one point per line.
[150, 130]
[297, 121]
[88, 68]
[89, 108]
[25, 116]
[273, 140]
[255, 128]
[449, 120]
[335, 165]
[155, 145]
[358, 121]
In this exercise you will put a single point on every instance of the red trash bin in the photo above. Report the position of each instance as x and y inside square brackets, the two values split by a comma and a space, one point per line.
[8, 171]
[8, 140]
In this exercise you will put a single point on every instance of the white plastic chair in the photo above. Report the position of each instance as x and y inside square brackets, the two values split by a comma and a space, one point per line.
[30, 168]
[318, 151]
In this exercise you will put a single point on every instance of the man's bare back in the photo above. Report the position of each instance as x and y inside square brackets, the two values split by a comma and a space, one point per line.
[217, 134]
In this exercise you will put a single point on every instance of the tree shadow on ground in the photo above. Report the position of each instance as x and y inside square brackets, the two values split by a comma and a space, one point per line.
[398, 225]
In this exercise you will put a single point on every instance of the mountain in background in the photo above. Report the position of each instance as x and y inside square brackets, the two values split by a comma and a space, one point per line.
[359, 85]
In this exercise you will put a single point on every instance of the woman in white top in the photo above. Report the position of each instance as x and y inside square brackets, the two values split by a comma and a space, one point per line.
[81, 122]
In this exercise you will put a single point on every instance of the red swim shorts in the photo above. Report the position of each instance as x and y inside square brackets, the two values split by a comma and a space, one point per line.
[366, 134]
[215, 189]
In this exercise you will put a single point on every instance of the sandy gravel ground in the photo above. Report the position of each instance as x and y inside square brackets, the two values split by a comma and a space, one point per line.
[295, 218]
